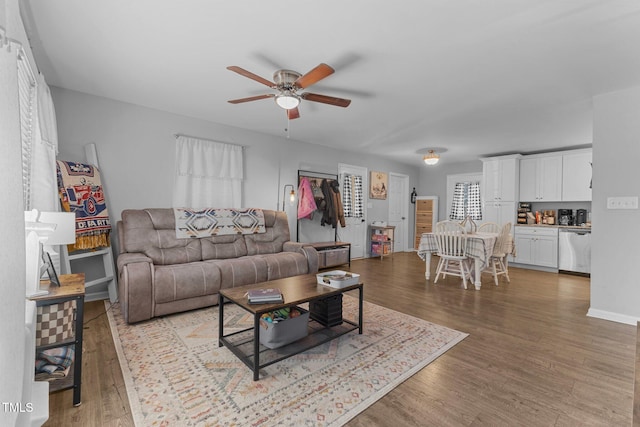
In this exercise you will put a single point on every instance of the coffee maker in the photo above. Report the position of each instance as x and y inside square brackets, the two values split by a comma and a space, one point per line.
[565, 216]
[581, 216]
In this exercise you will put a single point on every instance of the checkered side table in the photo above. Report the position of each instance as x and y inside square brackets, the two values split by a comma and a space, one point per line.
[59, 323]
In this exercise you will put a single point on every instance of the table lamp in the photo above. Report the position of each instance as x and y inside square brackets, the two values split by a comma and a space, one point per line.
[64, 234]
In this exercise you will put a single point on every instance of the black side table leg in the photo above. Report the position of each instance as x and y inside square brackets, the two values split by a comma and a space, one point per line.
[77, 367]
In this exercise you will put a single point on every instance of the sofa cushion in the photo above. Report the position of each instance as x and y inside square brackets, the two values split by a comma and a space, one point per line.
[152, 232]
[241, 271]
[223, 247]
[181, 281]
[285, 264]
[270, 242]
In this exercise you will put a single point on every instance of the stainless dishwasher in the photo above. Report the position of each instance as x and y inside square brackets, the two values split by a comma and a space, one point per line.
[574, 250]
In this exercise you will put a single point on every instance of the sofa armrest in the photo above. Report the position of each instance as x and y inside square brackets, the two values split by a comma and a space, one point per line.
[131, 258]
[135, 274]
[305, 249]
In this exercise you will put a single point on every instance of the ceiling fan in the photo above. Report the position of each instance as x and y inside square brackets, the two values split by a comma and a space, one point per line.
[288, 83]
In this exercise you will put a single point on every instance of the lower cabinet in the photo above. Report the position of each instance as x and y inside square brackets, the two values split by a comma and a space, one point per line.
[536, 246]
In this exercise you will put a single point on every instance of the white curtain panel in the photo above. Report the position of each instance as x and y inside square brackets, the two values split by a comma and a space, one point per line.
[44, 189]
[208, 174]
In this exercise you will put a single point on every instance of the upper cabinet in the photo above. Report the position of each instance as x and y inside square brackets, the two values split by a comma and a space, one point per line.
[576, 176]
[500, 178]
[541, 178]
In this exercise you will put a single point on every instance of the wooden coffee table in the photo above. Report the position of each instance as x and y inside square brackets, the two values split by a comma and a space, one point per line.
[245, 344]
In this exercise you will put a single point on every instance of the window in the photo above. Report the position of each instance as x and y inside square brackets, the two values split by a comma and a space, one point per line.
[352, 196]
[466, 201]
[208, 174]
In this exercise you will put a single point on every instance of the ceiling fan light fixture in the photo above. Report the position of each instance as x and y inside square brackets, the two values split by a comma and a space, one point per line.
[431, 158]
[287, 100]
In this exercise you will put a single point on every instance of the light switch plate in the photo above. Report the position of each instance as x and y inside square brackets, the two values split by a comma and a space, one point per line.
[629, 202]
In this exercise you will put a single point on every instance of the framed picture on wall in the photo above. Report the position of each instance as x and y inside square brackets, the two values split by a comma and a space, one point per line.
[378, 185]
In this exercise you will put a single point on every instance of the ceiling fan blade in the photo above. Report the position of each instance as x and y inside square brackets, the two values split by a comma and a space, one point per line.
[331, 100]
[293, 113]
[250, 75]
[251, 98]
[314, 76]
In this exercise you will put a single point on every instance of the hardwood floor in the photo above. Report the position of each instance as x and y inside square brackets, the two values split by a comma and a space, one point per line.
[532, 358]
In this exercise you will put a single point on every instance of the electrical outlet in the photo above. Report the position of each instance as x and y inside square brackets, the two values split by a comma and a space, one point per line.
[629, 202]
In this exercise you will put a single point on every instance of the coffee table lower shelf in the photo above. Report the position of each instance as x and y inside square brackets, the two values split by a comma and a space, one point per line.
[241, 343]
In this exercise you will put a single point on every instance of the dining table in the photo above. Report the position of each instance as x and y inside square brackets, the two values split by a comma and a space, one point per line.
[479, 248]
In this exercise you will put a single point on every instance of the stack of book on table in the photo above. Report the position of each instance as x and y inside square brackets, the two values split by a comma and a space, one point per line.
[264, 296]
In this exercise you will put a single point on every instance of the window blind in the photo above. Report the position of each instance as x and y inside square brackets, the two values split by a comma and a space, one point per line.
[26, 92]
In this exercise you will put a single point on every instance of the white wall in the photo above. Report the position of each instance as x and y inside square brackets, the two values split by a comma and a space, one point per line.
[615, 257]
[136, 150]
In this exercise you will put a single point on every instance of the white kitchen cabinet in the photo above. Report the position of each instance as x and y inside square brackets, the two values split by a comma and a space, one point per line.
[576, 176]
[500, 176]
[536, 246]
[541, 178]
[499, 212]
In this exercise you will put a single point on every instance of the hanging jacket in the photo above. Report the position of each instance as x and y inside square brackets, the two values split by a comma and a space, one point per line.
[337, 204]
[306, 201]
[328, 213]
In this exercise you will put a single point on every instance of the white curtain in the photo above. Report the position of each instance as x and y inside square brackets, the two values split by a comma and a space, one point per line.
[208, 174]
[44, 189]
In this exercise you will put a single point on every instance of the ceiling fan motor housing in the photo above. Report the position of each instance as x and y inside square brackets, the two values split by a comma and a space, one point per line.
[285, 79]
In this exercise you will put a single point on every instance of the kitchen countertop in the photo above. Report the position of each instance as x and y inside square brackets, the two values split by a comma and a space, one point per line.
[574, 227]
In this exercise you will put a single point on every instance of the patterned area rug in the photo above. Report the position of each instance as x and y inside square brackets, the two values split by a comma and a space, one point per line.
[176, 375]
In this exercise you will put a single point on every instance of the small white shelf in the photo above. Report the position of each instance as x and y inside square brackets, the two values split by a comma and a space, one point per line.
[109, 277]
[88, 254]
[381, 240]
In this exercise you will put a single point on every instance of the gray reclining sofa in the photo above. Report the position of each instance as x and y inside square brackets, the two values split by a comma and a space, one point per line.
[160, 274]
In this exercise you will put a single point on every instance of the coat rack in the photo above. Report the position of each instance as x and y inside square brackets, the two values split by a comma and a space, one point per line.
[313, 225]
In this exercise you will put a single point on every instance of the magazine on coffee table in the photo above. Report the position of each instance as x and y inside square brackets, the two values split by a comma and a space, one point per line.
[264, 296]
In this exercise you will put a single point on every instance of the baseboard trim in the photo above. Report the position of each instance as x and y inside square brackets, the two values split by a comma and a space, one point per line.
[614, 317]
[636, 383]
[96, 296]
[533, 267]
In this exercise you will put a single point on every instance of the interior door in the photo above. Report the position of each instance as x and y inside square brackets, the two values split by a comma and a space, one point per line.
[398, 196]
[355, 230]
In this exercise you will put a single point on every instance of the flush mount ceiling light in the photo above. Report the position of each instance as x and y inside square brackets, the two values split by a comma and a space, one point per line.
[431, 158]
[287, 100]
[431, 155]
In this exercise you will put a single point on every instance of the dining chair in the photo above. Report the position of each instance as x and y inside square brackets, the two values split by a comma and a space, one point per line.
[489, 227]
[499, 262]
[451, 240]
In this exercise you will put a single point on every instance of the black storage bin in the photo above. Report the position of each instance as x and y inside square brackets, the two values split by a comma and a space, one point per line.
[327, 311]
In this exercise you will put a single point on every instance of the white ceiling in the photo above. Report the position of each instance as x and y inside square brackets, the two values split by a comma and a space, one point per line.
[477, 77]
